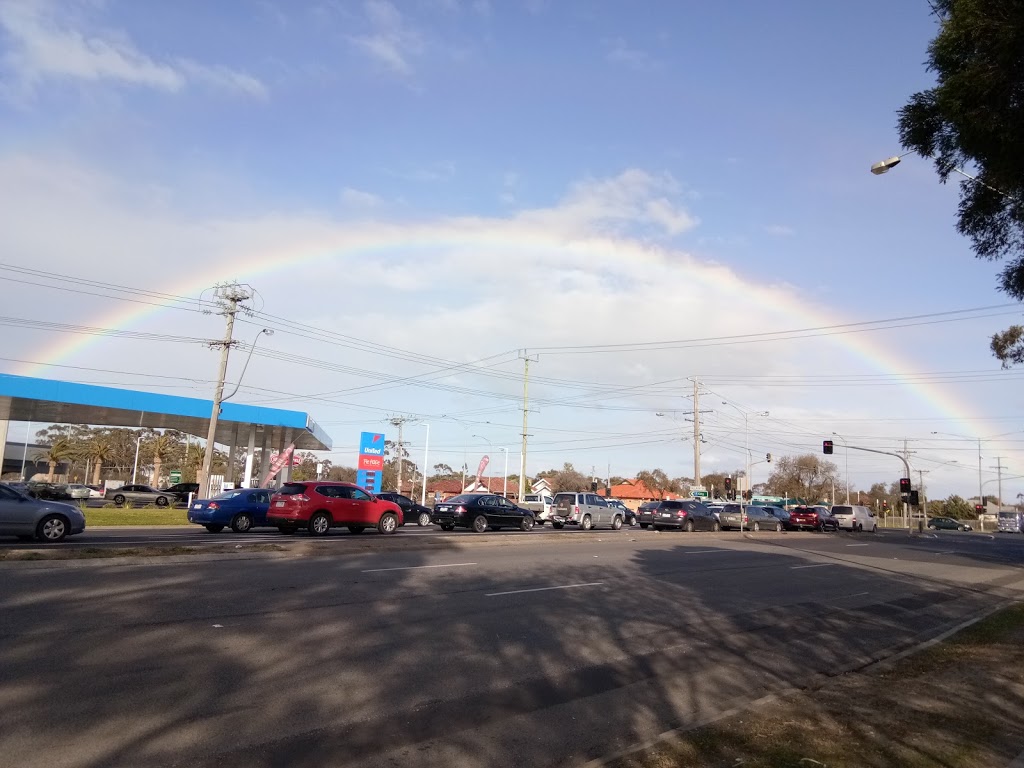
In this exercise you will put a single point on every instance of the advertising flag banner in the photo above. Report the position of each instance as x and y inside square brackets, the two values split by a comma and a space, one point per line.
[277, 464]
[480, 470]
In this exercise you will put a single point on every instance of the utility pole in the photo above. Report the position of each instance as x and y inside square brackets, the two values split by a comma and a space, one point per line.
[696, 433]
[228, 297]
[999, 487]
[526, 412]
[399, 421]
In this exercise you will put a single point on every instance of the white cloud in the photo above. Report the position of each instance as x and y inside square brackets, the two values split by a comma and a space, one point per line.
[621, 53]
[357, 198]
[633, 198]
[43, 44]
[780, 230]
[392, 40]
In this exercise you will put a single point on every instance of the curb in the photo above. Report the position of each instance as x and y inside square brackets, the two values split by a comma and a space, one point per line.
[880, 660]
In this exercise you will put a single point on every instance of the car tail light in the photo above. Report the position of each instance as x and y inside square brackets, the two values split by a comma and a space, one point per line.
[681, 513]
[460, 510]
[746, 518]
[213, 505]
[576, 509]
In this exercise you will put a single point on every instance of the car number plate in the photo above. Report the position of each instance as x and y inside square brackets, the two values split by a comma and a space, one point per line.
[278, 503]
[666, 514]
[197, 506]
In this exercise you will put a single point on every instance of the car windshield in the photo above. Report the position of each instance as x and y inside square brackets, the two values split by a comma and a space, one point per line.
[465, 498]
[229, 495]
[842, 510]
[292, 489]
[1008, 515]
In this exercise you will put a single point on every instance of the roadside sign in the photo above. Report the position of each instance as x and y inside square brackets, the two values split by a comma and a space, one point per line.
[699, 494]
[174, 476]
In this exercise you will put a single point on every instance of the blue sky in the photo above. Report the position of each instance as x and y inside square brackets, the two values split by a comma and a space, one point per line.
[537, 174]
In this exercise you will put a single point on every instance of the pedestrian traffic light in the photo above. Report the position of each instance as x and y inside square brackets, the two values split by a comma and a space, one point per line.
[826, 446]
[904, 485]
[915, 499]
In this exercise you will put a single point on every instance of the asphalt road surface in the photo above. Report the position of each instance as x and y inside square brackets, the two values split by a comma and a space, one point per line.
[484, 650]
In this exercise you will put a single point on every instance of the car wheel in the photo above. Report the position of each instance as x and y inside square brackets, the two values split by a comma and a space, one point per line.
[241, 523]
[558, 526]
[213, 528]
[161, 501]
[716, 526]
[319, 524]
[287, 530]
[52, 528]
[356, 528]
[644, 526]
[119, 500]
[616, 523]
[479, 523]
[586, 523]
[424, 520]
[447, 527]
[757, 526]
[778, 527]
[388, 523]
[526, 524]
[689, 526]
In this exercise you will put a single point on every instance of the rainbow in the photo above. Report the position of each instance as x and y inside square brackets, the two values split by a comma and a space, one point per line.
[510, 238]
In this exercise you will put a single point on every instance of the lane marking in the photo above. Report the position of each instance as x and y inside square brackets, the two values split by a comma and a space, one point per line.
[415, 567]
[816, 565]
[705, 551]
[858, 545]
[543, 589]
[858, 594]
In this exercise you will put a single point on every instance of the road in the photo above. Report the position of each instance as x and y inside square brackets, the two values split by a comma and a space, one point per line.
[503, 649]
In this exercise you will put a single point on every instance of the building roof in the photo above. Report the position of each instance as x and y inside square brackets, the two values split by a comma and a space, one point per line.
[635, 489]
[48, 401]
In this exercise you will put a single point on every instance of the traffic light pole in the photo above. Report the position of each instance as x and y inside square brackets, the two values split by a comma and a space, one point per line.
[901, 457]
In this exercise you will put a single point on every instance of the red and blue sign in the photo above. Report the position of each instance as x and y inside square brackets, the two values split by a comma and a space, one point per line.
[370, 468]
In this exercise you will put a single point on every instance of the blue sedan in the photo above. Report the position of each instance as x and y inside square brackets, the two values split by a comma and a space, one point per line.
[241, 509]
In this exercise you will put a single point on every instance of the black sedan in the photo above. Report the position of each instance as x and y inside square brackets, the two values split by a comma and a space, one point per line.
[410, 509]
[947, 524]
[481, 511]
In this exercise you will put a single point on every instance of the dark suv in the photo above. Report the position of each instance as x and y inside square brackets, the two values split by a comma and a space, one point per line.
[319, 506]
[685, 515]
[410, 509]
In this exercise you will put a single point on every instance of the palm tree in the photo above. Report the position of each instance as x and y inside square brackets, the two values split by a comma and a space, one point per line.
[59, 450]
[163, 444]
[100, 451]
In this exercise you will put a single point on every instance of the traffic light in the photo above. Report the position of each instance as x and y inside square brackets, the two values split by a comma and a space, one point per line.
[593, 487]
[885, 505]
[826, 446]
[904, 485]
[768, 458]
[728, 487]
[979, 508]
[915, 499]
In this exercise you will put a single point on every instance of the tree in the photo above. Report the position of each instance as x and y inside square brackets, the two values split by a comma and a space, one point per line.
[99, 452]
[161, 446]
[342, 474]
[806, 477]
[59, 451]
[956, 507]
[568, 478]
[656, 480]
[975, 116]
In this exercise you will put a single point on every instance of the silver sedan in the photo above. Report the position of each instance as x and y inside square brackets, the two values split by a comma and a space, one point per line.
[28, 518]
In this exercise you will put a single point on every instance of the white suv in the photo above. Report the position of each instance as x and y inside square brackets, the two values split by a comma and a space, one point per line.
[855, 518]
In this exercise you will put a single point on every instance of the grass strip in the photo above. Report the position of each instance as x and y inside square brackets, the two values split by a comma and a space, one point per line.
[957, 703]
[145, 516]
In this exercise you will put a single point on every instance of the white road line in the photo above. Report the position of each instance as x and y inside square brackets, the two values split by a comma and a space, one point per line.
[858, 594]
[704, 551]
[543, 589]
[858, 545]
[414, 567]
[816, 565]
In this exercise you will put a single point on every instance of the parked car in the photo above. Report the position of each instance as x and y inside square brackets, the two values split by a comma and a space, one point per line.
[716, 508]
[48, 491]
[645, 513]
[140, 493]
[180, 491]
[481, 511]
[587, 510]
[753, 518]
[77, 491]
[242, 509]
[855, 517]
[779, 513]
[685, 515]
[28, 518]
[628, 515]
[947, 524]
[541, 504]
[319, 506]
[812, 519]
[95, 491]
[410, 509]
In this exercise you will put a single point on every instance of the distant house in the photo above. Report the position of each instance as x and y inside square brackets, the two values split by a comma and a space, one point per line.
[541, 485]
[634, 492]
[453, 487]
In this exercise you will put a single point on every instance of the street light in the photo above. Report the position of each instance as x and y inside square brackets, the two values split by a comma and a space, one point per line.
[746, 445]
[847, 450]
[426, 447]
[884, 166]
[252, 348]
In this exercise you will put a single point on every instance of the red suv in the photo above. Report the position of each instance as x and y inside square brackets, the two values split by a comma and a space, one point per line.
[319, 506]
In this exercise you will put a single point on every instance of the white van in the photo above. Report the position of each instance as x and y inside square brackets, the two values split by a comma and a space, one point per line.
[855, 517]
